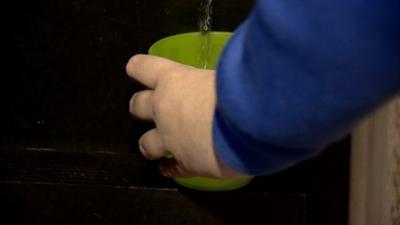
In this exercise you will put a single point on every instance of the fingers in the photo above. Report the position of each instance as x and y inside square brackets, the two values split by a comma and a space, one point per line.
[152, 148]
[171, 168]
[141, 105]
[151, 145]
[148, 69]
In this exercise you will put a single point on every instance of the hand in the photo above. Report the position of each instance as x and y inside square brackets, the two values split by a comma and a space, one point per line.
[181, 102]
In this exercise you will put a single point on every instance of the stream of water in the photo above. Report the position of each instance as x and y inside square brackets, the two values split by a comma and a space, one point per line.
[205, 28]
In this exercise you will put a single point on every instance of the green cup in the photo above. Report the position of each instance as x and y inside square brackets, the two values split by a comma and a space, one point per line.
[189, 49]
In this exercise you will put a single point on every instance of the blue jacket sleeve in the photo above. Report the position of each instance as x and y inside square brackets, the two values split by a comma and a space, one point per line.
[297, 75]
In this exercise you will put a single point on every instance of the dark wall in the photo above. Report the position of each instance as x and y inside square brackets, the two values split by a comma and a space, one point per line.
[63, 83]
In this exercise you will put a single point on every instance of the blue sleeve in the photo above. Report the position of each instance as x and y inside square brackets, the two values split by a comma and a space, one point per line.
[297, 75]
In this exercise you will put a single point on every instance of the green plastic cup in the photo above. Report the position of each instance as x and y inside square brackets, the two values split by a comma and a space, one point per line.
[189, 49]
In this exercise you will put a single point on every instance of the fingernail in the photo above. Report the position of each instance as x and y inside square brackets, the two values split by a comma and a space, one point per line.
[132, 100]
[131, 103]
[141, 148]
[134, 95]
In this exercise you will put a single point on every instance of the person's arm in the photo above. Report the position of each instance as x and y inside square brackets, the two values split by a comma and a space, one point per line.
[297, 75]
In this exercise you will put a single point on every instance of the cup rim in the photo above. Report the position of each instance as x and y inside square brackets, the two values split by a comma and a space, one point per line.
[185, 34]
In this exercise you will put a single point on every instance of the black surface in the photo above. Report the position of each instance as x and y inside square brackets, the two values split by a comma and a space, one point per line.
[47, 186]
[68, 146]
[55, 204]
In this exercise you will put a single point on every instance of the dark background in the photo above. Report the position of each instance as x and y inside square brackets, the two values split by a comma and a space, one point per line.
[68, 146]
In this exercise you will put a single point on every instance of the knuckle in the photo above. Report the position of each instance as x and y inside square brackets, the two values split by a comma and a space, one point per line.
[172, 75]
[159, 105]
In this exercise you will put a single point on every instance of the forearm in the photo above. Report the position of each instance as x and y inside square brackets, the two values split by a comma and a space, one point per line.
[296, 77]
